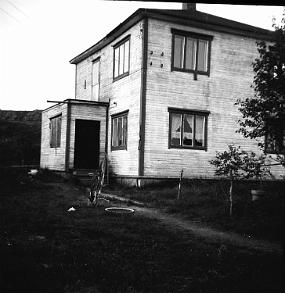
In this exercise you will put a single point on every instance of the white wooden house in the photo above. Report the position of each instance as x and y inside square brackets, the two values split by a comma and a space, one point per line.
[157, 95]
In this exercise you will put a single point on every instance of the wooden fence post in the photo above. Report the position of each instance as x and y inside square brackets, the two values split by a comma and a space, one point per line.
[179, 185]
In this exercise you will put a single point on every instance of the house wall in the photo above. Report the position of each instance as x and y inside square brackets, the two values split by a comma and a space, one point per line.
[53, 158]
[124, 94]
[230, 78]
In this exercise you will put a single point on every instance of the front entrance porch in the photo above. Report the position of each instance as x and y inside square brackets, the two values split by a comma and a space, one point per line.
[83, 135]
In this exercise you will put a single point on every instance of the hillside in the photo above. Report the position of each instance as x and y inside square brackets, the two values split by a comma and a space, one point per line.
[20, 135]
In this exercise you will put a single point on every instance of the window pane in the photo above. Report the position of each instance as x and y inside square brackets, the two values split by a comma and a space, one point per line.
[115, 132]
[127, 50]
[95, 73]
[95, 81]
[191, 48]
[95, 92]
[176, 126]
[121, 60]
[178, 51]
[125, 130]
[120, 141]
[188, 130]
[116, 63]
[202, 55]
[55, 132]
[52, 133]
[58, 131]
[119, 131]
[199, 131]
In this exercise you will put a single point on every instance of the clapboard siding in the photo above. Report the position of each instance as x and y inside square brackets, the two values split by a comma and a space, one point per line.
[53, 158]
[123, 94]
[230, 78]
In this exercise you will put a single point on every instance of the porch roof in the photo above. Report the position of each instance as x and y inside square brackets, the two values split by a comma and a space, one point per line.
[78, 102]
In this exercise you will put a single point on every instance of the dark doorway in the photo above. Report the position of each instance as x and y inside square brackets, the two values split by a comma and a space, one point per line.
[87, 140]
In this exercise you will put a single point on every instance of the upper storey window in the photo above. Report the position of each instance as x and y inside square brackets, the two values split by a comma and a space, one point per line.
[95, 79]
[121, 58]
[191, 52]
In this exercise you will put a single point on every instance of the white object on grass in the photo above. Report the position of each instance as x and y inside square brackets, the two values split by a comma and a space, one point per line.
[72, 209]
[33, 172]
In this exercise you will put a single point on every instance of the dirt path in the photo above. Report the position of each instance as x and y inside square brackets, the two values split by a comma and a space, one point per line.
[205, 233]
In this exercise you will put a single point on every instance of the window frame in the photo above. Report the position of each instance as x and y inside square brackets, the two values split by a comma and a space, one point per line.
[113, 117]
[195, 113]
[116, 46]
[57, 142]
[197, 36]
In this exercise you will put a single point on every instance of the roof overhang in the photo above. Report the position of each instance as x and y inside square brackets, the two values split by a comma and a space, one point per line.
[198, 19]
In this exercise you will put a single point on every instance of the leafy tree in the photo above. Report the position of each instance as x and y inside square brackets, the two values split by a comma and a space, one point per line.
[254, 166]
[264, 113]
[229, 164]
[237, 164]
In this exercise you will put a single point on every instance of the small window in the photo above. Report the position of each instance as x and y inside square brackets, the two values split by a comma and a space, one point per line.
[95, 80]
[187, 129]
[55, 131]
[119, 131]
[121, 59]
[276, 143]
[191, 52]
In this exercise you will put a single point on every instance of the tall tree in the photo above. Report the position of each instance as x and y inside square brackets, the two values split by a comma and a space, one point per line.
[263, 115]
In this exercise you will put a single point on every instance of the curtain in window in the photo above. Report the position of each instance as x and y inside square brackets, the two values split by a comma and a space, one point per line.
[188, 130]
[176, 126]
[199, 131]
[202, 55]
[191, 49]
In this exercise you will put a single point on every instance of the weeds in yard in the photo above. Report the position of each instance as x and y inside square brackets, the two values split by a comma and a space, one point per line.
[43, 248]
[207, 202]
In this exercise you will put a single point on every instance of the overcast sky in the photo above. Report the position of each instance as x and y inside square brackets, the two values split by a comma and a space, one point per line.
[39, 37]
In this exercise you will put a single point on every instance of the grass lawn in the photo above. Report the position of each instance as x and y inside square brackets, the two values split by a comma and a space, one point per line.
[207, 202]
[44, 248]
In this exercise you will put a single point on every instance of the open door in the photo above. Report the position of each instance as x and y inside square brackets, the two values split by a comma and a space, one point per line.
[87, 144]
